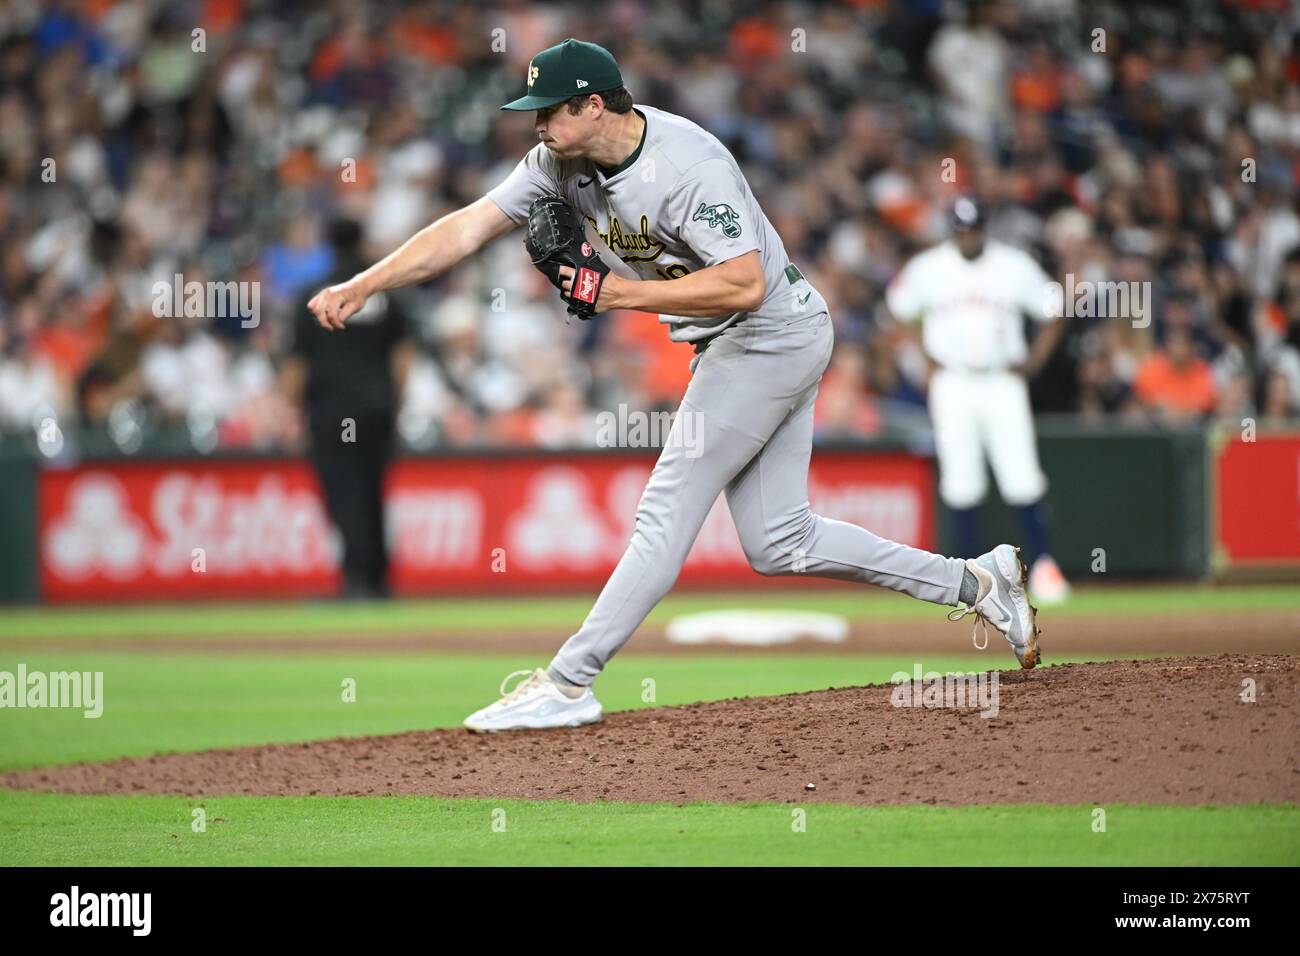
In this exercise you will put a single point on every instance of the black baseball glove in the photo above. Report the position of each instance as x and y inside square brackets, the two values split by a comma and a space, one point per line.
[556, 238]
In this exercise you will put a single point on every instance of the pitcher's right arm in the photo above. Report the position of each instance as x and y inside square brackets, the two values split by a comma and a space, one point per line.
[427, 254]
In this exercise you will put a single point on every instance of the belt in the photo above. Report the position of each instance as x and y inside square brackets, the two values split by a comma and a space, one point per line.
[703, 344]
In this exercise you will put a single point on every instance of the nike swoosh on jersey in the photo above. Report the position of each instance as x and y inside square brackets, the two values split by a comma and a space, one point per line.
[582, 185]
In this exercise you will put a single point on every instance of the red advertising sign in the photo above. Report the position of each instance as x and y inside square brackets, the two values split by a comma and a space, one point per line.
[135, 530]
[1257, 502]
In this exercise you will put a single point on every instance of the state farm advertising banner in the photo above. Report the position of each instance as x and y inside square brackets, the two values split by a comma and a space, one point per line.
[131, 530]
[1257, 502]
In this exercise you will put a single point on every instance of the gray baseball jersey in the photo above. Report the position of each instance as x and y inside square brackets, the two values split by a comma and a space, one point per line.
[679, 204]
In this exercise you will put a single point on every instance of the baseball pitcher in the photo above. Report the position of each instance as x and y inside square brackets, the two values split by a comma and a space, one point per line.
[670, 203]
[971, 295]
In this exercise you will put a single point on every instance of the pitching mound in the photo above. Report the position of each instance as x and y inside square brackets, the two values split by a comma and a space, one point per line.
[1155, 731]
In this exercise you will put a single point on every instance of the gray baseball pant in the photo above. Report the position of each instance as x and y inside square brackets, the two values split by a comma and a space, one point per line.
[752, 399]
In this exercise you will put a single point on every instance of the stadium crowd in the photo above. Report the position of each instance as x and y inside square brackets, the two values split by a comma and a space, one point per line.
[1156, 144]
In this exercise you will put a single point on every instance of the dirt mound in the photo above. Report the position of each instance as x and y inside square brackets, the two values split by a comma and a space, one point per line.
[1157, 731]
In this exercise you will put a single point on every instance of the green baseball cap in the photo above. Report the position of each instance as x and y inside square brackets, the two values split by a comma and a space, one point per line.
[567, 69]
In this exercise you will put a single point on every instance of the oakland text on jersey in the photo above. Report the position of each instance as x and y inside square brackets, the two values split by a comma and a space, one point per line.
[630, 246]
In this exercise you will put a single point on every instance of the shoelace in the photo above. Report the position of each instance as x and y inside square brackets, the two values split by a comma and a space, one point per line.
[979, 618]
[520, 688]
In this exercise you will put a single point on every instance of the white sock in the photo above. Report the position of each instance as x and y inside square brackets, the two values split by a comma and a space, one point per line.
[571, 691]
[984, 578]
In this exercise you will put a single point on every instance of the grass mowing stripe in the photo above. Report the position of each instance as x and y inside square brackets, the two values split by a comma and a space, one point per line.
[155, 703]
[62, 830]
[483, 614]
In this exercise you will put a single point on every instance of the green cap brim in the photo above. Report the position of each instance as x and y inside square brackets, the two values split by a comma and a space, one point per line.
[534, 102]
[541, 102]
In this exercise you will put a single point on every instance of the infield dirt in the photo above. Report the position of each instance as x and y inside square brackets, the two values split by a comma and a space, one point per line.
[1173, 731]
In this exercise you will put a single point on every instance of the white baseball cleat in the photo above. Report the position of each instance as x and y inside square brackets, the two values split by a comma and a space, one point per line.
[1046, 582]
[1004, 603]
[534, 703]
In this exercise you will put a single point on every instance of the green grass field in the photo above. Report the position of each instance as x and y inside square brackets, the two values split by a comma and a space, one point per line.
[491, 614]
[42, 829]
[160, 701]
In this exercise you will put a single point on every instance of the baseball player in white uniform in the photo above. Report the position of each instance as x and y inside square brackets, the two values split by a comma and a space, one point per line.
[670, 201]
[972, 294]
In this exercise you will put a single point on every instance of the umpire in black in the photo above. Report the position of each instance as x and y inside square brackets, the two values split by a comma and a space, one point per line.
[351, 384]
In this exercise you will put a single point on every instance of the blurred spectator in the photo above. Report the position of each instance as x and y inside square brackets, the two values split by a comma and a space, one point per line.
[1104, 389]
[1281, 402]
[844, 406]
[972, 62]
[1176, 385]
[563, 420]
